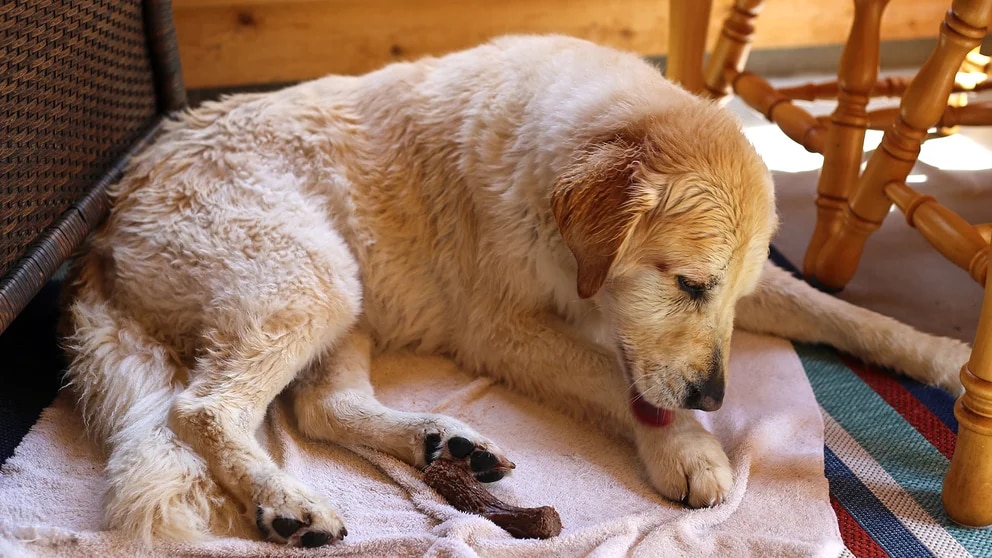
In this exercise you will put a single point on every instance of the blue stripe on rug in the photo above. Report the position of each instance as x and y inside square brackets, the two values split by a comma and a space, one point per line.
[898, 448]
[940, 403]
[877, 520]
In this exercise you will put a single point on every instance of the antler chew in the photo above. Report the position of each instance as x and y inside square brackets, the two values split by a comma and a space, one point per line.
[466, 494]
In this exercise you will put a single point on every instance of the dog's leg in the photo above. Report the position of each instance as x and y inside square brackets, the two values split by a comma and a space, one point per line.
[233, 384]
[125, 382]
[334, 401]
[787, 307]
[544, 359]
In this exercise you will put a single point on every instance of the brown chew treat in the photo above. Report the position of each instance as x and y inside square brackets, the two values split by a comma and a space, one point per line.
[466, 494]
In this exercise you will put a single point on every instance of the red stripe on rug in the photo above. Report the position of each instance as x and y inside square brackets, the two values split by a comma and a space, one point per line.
[856, 539]
[910, 408]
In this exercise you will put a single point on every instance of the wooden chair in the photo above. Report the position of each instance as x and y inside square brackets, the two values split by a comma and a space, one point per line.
[852, 203]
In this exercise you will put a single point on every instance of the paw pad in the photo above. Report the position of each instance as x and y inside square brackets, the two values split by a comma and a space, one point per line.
[483, 461]
[460, 448]
[432, 447]
[286, 526]
[313, 539]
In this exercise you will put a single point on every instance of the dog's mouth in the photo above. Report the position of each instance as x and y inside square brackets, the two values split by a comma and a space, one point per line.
[645, 413]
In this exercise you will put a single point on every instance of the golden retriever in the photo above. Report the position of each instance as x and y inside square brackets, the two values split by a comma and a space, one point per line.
[543, 210]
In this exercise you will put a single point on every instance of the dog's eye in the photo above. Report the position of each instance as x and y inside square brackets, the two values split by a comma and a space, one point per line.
[695, 290]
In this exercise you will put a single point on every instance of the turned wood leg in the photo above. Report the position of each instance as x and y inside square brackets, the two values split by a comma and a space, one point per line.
[732, 47]
[921, 108]
[967, 492]
[688, 24]
[844, 146]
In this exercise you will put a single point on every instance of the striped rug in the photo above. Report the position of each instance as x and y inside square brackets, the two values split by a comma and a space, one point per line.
[888, 441]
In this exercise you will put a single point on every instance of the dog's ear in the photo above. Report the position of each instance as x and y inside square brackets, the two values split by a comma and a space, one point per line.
[595, 204]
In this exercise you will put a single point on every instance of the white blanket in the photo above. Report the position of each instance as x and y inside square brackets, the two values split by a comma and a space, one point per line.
[51, 489]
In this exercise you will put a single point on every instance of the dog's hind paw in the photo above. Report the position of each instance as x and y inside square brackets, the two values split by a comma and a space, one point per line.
[294, 532]
[294, 519]
[479, 456]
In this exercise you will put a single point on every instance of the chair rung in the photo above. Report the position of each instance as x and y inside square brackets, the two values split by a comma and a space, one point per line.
[952, 236]
[797, 123]
[885, 87]
[978, 114]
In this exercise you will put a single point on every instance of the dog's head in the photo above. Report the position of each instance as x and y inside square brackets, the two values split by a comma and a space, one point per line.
[669, 220]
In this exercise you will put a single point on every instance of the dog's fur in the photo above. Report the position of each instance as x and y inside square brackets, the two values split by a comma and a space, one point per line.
[543, 210]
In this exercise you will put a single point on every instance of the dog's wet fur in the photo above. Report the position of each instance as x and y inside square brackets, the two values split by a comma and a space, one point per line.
[543, 210]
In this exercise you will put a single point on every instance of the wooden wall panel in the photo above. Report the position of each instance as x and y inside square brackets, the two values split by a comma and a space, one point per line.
[234, 42]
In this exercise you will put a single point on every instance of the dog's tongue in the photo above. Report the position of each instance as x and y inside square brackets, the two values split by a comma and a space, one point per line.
[646, 413]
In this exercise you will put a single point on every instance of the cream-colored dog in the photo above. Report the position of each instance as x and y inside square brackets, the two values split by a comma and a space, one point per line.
[543, 210]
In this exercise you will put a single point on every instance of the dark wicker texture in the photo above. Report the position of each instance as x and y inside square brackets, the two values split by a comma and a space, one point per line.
[82, 84]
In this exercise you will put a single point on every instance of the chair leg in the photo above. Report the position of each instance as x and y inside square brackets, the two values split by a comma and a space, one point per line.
[856, 77]
[732, 47]
[921, 108]
[688, 23]
[967, 489]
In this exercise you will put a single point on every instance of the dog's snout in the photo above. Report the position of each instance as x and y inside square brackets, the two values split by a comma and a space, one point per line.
[707, 395]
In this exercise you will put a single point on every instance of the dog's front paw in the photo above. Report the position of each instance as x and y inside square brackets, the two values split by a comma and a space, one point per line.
[286, 513]
[686, 464]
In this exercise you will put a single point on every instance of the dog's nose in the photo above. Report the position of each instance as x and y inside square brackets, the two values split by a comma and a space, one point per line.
[705, 396]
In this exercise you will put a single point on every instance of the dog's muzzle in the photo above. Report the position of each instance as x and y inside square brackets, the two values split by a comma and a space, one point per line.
[706, 396]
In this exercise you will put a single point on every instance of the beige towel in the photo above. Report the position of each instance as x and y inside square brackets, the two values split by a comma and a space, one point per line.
[50, 491]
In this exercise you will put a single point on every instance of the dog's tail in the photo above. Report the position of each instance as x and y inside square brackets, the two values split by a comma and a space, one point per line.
[125, 382]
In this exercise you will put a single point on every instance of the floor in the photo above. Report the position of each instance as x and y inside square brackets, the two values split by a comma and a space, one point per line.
[900, 274]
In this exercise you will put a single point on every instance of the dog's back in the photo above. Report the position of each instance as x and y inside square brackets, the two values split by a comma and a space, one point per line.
[245, 208]
[415, 201]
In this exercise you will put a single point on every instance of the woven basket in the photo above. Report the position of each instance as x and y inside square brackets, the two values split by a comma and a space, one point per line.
[83, 84]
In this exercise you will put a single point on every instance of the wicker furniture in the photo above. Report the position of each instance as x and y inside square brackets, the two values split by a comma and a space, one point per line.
[851, 204]
[84, 84]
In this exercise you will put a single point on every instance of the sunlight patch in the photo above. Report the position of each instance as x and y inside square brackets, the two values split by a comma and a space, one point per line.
[781, 153]
[956, 153]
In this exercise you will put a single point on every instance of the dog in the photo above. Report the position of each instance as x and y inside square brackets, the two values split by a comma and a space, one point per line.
[543, 210]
